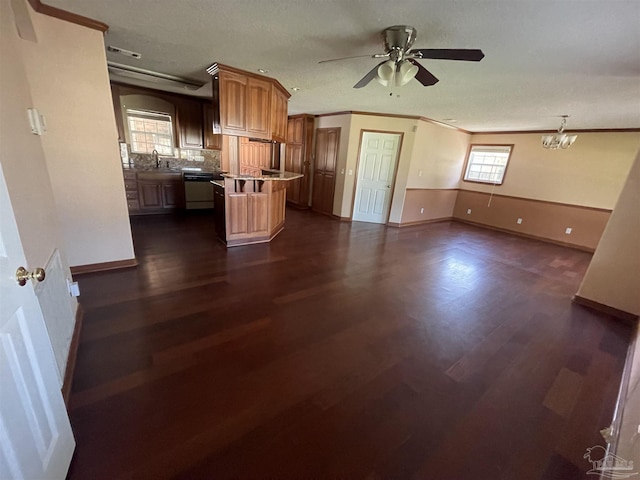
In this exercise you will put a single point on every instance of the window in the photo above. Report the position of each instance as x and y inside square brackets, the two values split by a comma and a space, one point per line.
[150, 131]
[487, 163]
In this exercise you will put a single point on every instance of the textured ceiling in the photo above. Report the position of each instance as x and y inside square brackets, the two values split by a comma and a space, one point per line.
[542, 58]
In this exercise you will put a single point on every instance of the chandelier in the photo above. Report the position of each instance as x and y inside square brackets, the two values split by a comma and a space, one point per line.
[560, 139]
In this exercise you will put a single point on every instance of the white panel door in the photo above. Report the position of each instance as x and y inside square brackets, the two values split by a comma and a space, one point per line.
[36, 441]
[377, 164]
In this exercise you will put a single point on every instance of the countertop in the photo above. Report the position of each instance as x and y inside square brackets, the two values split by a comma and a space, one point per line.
[170, 169]
[270, 175]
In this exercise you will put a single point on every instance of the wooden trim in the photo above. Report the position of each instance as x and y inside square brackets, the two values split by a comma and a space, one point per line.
[573, 130]
[548, 202]
[101, 267]
[71, 359]
[526, 235]
[44, 9]
[419, 222]
[246, 73]
[437, 189]
[395, 115]
[626, 317]
[357, 170]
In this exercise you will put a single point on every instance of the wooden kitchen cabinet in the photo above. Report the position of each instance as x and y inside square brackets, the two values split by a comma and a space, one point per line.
[250, 105]
[253, 157]
[259, 108]
[189, 119]
[298, 158]
[233, 103]
[160, 192]
[279, 111]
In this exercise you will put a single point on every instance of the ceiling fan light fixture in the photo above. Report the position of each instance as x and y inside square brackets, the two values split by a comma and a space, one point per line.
[559, 140]
[386, 73]
[406, 72]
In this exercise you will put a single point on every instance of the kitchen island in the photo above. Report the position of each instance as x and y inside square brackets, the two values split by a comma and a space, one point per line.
[254, 206]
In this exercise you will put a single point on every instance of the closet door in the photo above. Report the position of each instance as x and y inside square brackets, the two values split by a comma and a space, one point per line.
[324, 175]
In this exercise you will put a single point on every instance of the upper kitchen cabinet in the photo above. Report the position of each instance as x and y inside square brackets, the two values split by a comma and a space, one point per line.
[189, 119]
[279, 110]
[250, 105]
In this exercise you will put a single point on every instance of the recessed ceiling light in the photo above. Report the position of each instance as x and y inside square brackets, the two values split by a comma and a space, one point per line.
[262, 70]
[295, 89]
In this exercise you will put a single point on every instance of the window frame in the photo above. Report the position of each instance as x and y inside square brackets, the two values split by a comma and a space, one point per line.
[142, 114]
[465, 170]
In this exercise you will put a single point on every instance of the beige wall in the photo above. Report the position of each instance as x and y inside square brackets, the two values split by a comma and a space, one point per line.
[590, 173]
[613, 276]
[69, 84]
[22, 158]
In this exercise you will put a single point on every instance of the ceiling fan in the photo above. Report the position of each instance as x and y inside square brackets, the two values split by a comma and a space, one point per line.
[402, 64]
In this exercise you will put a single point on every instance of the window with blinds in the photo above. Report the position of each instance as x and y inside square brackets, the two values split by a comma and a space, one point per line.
[150, 131]
[487, 163]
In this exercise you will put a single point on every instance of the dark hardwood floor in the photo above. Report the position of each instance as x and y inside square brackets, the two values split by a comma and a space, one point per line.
[341, 351]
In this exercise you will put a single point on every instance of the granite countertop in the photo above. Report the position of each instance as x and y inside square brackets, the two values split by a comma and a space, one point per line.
[268, 175]
[177, 169]
[219, 183]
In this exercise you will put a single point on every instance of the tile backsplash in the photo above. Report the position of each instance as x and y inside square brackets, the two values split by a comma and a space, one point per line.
[209, 159]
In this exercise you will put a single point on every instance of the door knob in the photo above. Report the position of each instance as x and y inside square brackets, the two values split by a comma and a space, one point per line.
[388, 186]
[22, 275]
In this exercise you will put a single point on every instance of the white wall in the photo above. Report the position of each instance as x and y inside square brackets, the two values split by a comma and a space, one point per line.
[27, 176]
[69, 84]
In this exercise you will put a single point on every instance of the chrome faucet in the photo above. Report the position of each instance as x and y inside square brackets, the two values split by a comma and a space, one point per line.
[155, 157]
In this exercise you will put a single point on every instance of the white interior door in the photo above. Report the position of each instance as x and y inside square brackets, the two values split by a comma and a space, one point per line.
[377, 164]
[36, 441]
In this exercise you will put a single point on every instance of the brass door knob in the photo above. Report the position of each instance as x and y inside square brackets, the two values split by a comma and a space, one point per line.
[22, 275]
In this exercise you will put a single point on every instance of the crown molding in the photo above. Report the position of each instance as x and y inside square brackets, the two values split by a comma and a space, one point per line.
[44, 9]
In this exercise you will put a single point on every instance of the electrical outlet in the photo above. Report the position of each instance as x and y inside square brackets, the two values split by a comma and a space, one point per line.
[342, 172]
[519, 221]
[568, 230]
[422, 210]
[468, 211]
[350, 172]
[419, 173]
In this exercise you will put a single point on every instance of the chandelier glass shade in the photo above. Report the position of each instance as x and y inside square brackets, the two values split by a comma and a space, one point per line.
[395, 74]
[559, 140]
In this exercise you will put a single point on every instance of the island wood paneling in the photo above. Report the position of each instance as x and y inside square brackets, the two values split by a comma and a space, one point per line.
[540, 219]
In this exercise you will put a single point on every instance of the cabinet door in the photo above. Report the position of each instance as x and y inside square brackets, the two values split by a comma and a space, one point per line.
[279, 111]
[259, 213]
[295, 130]
[233, 103]
[149, 195]
[212, 141]
[170, 195]
[293, 163]
[190, 123]
[259, 108]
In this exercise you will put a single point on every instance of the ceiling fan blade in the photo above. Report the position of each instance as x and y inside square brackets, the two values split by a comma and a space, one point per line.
[368, 77]
[424, 76]
[449, 54]
[356, 56]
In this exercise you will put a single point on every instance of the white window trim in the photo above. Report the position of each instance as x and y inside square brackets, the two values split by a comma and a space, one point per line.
[492, 168]
[149, 115]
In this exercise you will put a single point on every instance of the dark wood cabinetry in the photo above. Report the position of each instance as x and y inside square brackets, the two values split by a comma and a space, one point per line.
[159, 192]
[233, 103]
[298, 157]
[324, 173]
[190, 123]
[259, 108]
